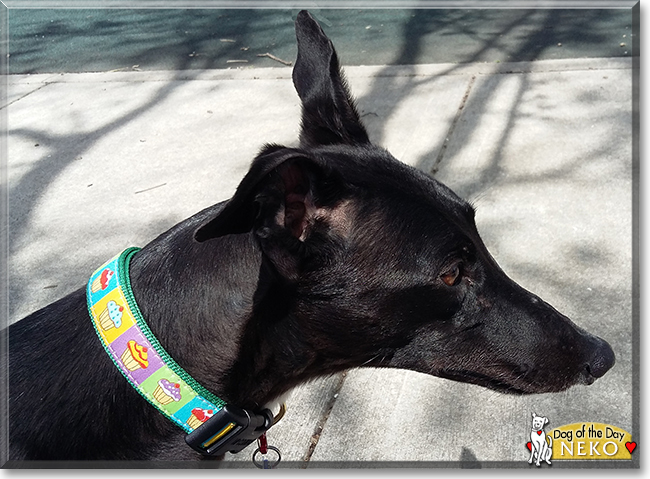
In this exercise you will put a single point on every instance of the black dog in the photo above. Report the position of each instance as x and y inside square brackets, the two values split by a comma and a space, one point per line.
[330, 256]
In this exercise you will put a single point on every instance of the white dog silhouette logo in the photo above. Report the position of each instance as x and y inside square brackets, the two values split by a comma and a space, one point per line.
[540, 445]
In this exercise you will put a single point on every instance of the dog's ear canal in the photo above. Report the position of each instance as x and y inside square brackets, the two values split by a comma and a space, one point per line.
[285, 196]
[258, 189]
[329, 115]
[290, 204]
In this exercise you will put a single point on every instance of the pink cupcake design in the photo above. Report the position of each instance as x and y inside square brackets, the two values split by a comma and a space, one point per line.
[199, 416]
[101, 282]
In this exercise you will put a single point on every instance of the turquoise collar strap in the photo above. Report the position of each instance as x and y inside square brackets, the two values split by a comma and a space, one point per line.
[213, 426]
[137, 353]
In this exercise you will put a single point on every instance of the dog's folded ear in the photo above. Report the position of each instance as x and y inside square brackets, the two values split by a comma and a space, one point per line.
[329, 115]
[239, 214]
[291, 201]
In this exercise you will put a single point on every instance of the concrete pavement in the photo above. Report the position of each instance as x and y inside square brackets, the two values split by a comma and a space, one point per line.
[102, 161]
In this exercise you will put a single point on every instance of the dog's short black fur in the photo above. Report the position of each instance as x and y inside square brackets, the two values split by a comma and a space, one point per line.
[329, 256]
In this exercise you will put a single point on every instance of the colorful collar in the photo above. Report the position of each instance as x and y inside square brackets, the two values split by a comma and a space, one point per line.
[213, 426]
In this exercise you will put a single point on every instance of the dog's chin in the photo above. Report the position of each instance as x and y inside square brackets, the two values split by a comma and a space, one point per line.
[501, 385]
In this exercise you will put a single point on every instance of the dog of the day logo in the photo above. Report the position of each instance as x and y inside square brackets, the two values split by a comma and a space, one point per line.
[578, 441]
[541, 444]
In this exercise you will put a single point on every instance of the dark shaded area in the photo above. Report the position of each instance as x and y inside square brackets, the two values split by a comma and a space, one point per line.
[76, 40]
[468, 459]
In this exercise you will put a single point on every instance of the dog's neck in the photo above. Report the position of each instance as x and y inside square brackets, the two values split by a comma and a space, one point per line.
[216, 339]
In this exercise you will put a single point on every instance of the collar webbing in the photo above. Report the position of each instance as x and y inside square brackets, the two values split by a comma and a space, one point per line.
[137, 353]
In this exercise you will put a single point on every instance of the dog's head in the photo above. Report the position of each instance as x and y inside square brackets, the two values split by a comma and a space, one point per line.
[539, 422]
[379, 264]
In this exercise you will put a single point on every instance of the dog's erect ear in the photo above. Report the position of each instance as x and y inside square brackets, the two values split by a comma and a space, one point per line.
[286, 198]
[329, 115]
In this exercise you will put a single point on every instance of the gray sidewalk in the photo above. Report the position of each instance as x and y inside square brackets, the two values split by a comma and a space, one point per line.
[102, 161]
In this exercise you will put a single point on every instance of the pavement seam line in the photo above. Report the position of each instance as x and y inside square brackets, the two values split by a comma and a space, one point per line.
[24, 96]
[315, 437]
[452, 128]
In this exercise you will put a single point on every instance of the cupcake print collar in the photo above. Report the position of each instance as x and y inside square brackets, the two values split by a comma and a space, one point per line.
[213, 426]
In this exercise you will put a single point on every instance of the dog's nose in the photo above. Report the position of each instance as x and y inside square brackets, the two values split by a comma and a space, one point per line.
[601, 361]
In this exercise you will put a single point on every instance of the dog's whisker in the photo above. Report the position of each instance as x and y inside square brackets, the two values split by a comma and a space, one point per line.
[371, 359]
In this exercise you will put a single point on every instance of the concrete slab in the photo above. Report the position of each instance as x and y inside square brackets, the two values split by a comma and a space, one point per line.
[108, 164]
[543, 150]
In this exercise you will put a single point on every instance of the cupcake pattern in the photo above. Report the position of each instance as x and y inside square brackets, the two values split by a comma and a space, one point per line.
[167, 391]
[111, 317]
[199, 416]
[101, 281]
[136, 357]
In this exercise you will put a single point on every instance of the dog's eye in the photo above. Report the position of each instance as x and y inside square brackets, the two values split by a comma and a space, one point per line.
[452, 276]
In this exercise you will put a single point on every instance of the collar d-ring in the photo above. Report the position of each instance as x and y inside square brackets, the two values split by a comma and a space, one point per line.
[280, 414]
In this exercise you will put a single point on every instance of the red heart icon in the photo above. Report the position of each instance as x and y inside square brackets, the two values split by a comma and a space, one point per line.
[631, 446]
[529, 445]
[539, 433]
